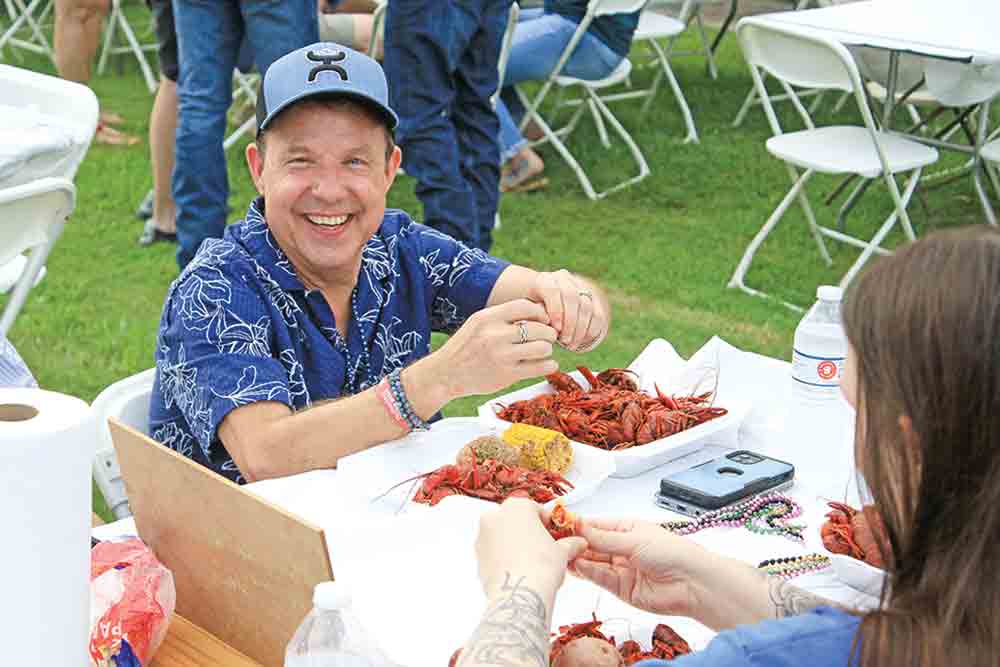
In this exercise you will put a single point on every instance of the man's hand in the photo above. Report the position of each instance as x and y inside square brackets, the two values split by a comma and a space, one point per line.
[574, 308]
[495, 348]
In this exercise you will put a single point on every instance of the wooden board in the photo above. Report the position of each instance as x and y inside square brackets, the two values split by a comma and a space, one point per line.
[187, 645]
[244, 568]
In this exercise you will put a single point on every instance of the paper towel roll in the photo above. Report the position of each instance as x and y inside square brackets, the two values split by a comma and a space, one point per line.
[45, 496]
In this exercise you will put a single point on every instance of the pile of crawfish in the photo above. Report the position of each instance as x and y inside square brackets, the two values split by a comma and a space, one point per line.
[859, 534]
[489, 480]
[666, 644]
[613, 414]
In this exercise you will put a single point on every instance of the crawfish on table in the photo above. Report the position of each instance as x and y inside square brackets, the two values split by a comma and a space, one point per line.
[490, 480]
[859, 534]
[666, 643]
[613, 414]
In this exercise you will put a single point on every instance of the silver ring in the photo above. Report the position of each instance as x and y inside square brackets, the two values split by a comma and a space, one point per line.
[585, 292]
[523, 329]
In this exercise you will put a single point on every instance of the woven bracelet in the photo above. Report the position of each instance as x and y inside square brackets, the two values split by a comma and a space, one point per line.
[384, 393]
[409, 414]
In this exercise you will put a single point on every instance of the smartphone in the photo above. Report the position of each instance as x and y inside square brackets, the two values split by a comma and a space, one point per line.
[724, 481]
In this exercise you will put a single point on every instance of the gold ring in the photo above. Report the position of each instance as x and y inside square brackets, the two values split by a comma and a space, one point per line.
[585, 292]
[523, 329]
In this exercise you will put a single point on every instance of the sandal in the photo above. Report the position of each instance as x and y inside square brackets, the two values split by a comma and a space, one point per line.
[523, 174]
[529, 185]
[150, 235]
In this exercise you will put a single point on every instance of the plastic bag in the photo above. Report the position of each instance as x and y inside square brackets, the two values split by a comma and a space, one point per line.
[132, 597]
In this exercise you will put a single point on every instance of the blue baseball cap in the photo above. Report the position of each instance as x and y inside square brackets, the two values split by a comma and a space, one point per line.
[323, 69]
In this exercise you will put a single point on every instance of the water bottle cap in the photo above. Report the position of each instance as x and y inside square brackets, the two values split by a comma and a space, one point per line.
[331, 595]
[829, 293]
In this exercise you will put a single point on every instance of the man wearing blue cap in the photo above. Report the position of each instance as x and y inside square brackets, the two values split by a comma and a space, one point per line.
[321, 293]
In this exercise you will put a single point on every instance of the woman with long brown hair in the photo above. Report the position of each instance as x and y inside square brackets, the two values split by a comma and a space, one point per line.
[923, 373]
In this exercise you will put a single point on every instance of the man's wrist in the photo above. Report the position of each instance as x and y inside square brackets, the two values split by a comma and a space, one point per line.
[426, 387]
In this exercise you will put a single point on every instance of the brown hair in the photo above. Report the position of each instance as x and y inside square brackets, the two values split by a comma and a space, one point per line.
[924, 325]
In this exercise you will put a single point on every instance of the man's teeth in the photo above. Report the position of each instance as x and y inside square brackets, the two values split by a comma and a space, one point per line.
[328, 220]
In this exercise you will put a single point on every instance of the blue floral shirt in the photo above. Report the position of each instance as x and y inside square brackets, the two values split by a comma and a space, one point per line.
[239, 326]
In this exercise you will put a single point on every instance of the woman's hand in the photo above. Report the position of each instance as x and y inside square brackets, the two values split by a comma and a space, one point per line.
[641, 563]
[513, 545]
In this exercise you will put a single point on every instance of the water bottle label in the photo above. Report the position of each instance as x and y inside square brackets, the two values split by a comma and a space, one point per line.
[818, 374]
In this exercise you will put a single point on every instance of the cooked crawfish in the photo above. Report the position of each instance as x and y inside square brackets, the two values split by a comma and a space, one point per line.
[613, 413]
[666, 643]
[490, 480]
[562, 523]
[859, 534]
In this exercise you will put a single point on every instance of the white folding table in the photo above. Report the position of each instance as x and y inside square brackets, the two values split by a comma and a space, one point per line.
[414, 576]
[962, 31]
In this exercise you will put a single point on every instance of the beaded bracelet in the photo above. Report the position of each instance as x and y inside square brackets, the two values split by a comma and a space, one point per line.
[403, 403]
[384, 394]
[793, 566]
[764, 515]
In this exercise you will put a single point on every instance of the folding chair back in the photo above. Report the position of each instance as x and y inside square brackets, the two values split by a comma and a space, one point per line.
[127, 401]
[31, 217]
[959, 84]
[72, 105]
[808, 61]
[798, 57]
[606, 7]
[592, 100]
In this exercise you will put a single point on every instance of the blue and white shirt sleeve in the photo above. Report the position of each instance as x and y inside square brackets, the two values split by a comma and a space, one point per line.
[215, 347]
[459, 278]
[13, 371]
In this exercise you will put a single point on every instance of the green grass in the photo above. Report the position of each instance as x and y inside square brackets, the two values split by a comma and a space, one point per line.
[664, 248]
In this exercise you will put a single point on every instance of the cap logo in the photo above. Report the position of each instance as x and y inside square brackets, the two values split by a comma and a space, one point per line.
[327, 58]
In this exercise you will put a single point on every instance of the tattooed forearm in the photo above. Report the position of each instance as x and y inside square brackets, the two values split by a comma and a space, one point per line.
[514, 631]
[789, 600]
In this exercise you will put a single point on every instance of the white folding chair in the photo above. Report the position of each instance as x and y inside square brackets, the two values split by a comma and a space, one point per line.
[753, 98]
[245, 93]
[68, 107]
[25, 30]
[118, 21]
[811, 62]
[654, 27]
[32, 217]
[127, 401]
[955, 84]
[591, 100]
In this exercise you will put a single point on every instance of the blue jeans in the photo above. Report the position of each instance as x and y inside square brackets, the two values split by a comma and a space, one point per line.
[441, 62]
[539, 40]
[209, 34]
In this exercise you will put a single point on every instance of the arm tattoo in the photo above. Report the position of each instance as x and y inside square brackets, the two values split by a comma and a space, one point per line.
[789, 600]
[513, 632]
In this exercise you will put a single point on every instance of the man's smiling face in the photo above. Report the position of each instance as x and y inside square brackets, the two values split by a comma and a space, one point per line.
[324, 172]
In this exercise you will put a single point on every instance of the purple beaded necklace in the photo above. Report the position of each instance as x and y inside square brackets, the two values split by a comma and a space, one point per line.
[768, 514]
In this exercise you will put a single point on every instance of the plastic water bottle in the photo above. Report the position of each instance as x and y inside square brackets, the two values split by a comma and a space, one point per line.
[331, 635]
[820, 347]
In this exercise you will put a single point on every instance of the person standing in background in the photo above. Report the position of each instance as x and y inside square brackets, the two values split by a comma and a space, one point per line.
[76, 38]
[162, 129]
[441, 59]
[209, 34]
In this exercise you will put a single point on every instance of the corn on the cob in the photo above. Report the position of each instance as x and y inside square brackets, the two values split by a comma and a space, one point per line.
[540, 448]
